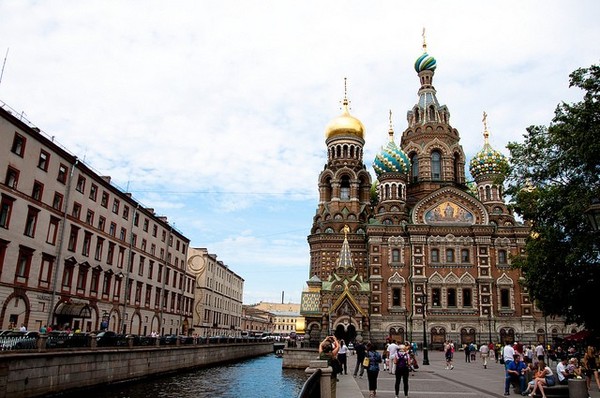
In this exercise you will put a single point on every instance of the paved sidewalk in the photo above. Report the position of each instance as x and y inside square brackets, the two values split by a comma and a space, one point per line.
[434, 381]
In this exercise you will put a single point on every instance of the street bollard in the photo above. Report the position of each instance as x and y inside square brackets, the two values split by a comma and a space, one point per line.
[578, 388]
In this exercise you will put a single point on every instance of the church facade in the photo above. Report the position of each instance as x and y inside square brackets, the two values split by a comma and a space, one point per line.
[418, 253]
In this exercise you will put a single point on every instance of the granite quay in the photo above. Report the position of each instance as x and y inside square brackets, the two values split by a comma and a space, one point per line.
[31, 373]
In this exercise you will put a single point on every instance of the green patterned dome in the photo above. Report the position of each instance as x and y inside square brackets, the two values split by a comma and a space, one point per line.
[488, 161]
[391, 159]
[425, 62]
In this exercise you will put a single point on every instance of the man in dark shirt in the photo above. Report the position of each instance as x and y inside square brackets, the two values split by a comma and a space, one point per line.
[359, 347]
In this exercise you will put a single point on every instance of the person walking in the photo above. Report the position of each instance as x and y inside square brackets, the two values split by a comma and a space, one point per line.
[448, 355]
[508, 354]
[392, 350]
[343, 357]
[467, 349]
[591, 367]
[402, 368]
[484, 352]
[373, 369]
[360, 349]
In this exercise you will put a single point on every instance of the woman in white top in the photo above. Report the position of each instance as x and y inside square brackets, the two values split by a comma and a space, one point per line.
[342, 356]
[544, 377]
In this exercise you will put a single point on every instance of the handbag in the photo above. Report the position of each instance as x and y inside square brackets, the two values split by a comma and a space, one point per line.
[366, 362]
[501, 361]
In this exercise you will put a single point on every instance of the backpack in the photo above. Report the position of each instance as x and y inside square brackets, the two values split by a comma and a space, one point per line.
[401, 360]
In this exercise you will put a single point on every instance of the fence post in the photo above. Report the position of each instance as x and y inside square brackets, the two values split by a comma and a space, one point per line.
[41, 342]
[327, 383]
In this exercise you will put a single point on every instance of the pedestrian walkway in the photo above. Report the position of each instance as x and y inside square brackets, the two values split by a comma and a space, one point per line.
[434, 381]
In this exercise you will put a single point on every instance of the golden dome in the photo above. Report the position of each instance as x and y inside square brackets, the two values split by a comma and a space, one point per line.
[345, 124]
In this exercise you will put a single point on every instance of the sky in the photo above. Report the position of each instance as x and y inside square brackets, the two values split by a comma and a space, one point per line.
[213, 112]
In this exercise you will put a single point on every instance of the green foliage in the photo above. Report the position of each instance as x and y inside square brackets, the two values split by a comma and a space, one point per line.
[554, 175]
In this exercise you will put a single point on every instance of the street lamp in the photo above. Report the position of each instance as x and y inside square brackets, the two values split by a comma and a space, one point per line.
[425, 353]
[593, 214]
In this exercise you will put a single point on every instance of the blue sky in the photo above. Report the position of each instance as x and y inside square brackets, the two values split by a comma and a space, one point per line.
[213, 112]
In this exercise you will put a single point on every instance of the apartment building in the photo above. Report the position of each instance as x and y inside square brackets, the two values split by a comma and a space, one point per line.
[77, 252]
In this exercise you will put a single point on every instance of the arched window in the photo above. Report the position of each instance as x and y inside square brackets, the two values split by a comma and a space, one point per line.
[456, 168]
[435, 256]
[449, 255]
[436, 165]
[467, 298]
[504, 298]
[345, 188]
[396, 297]
[488, 193]
[395, 256]
[451, 297]
[501, 256]
[414, 167]
[464, 255]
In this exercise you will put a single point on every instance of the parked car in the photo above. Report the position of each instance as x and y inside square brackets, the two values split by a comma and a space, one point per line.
[106, 338]
[57, 339]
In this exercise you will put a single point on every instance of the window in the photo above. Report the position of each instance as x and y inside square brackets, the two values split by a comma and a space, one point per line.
[395, 255]
[123, 234]
[126, 212]
[101, 223]
[146, 225]
[345, 188]
[153, 249]
[23, 264]
[72, 246]
[467, 298]
[43, 160]
[144, 244]
[62, 173]
[155, 231]
[164, 235]
[435, 297]
[436, 165]
[87, 242]
[435, 255]
[99, 247]
[116, 204]
[502, 257]
[82, 278]
[18, 146]
[150, 269]
[136, 219]
[111, 253]
[95, 281]
[104, 201]
[504, 298]
[141, 266]
[12, 178]
[46, 270]
[451, 297]
[449, 255]
[94, 192]
[464, 255]
[121, 259]
[89, 217]
[37, 191]
[396, 302]
[414, 168]
[52, 230]
[5, 211]
[148, 295]
[80, 184]
[31, 221]
[57, 201]
[76, 210]
[106, 285]
[117, 289]
[67, 276]
[112, 231]
[160, 270]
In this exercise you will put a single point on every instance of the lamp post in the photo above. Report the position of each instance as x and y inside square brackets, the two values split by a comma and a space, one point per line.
[490, 326]
[425, 352]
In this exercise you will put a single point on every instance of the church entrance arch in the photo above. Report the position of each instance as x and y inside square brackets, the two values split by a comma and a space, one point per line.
[345, 331]
[438, 336]
[397, 333]
[507, 335]
[467, 336]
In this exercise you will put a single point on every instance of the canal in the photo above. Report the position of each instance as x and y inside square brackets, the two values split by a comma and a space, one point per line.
[256, 378]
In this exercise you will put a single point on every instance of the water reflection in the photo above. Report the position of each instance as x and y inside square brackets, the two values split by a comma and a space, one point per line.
[257, 378]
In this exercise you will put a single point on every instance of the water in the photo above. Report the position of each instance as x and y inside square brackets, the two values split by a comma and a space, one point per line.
[255, 378]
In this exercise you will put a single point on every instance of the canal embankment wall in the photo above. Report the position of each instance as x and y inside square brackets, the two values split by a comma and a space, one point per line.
[33, 374]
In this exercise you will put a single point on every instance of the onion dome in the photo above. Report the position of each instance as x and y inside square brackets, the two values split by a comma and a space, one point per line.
[425, 62]
[488, 160]
[391, 159]
[345, 124]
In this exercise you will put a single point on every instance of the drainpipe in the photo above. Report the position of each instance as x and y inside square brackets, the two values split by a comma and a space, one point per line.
[129, 266]
[61, 240]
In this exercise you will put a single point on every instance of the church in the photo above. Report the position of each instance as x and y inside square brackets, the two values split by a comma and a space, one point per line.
[419, 253]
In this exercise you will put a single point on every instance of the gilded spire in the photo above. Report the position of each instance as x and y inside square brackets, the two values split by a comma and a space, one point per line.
[424, 41]
[345, 101]
[486, 133]
[345, 259]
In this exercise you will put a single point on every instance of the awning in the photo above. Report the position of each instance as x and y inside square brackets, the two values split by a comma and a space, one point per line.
[74, 310]
[579, 336]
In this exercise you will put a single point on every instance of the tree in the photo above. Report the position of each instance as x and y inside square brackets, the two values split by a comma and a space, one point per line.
[554, 176]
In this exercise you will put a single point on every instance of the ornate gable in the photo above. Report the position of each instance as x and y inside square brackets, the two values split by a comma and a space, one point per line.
[449, 206]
